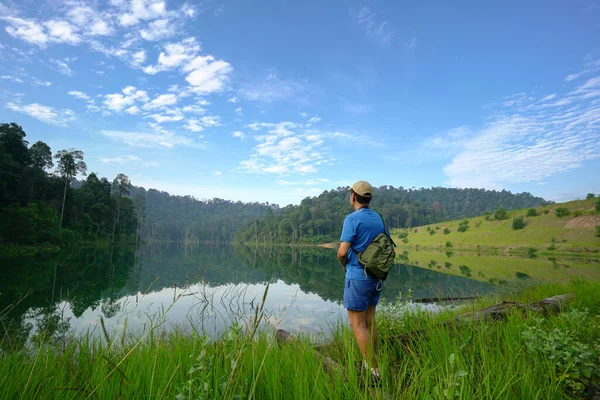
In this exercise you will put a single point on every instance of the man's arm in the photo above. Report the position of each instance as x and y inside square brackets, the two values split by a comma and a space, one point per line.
[342, 253]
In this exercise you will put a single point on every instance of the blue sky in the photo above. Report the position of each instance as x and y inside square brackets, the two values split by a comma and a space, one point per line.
[275, 101]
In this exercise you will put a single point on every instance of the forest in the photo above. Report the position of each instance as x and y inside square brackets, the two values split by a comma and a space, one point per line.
[319, 219]
[40, 211]
[43, 207]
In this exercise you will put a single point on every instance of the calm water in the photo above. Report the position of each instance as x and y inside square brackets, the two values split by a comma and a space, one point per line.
[207, 288]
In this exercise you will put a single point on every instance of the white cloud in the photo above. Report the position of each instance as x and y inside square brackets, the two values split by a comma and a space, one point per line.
[314, 120]
[589, 67]
[133, 110]
[238, 111]
[150, 164]
[198, 125]
[159, 29]
[194, 125]
[233, 99]
[194, 109]
[161, 101]
[117, 101]
[79, 95]
[142, 10]
[210, 121]
[38, 82]
[26, 30]
[139, 57]
[120, 159]
[549, 97]
[161, 118]
[206, 74]
[175, 55]
[142, 139]
[63, 67]
[239, 134]
[378, 31]
[283, 149]
[12, 78]
[62, 32]
[92, 22]
[43, 113]
[528, 141]
[217, 173]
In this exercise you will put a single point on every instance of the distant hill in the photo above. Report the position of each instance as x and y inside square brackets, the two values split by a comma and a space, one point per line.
[545, 232]
[319, 219]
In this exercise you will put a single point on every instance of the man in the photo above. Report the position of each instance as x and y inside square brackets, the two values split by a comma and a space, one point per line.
[362, 289]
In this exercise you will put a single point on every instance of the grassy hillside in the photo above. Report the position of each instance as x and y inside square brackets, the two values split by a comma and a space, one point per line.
[546, 232]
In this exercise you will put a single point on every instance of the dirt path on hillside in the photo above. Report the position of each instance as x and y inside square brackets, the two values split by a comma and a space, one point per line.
[583, 222]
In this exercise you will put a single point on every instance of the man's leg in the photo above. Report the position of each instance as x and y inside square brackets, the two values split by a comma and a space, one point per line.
[372, 327]
[358, 322]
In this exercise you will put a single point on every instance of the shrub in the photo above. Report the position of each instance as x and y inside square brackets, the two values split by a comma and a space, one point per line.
[446, 231]
[532, 212]
[405, 240]
[500, 214]
[546, 212]
[562, 212]
[551, 247]
[597, 205]
[448, 265]
[575, 362]
[532, 252]
[518, 223]
[590, 196]
[463, 226]
[466, 271]
[432, 232]
[578, 213]
[478, 224]
[598, 230]
[449, 244]
[402, 235]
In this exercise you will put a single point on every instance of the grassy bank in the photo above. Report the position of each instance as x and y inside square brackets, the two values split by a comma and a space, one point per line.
[534, 358]
[575, 232]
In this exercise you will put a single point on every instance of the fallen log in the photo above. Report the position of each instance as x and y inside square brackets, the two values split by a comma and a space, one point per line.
[441, 299]
[550, 305]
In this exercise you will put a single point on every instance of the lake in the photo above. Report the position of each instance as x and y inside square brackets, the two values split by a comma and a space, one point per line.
[204, 288]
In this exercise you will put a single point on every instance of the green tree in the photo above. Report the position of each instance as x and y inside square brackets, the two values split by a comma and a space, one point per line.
[500, 214]
[590, 196]
[120, 186]
[532, 212]
[562, 212]
[597, 205]
[70, 163]
[518, 223]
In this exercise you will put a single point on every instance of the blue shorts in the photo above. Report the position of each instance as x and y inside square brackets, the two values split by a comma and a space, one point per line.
[362, 294]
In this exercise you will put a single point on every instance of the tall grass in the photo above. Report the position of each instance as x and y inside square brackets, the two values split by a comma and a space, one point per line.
[512, 359]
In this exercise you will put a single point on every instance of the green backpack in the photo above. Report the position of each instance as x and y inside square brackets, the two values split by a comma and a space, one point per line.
[379, 255]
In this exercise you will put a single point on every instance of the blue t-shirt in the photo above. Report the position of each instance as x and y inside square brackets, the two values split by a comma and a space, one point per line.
[360, 228]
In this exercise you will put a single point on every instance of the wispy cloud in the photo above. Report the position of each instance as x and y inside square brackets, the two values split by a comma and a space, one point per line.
[589, 68]
[49, 115]
[527, 139]
[120, 159]
[144, 139]
[288, 148]
[63, 67]
[271, 89]
[378, 30]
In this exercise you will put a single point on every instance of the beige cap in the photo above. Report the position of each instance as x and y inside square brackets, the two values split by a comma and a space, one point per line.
[362, 188]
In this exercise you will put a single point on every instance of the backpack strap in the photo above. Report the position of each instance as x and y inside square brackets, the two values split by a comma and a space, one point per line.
[385, 231]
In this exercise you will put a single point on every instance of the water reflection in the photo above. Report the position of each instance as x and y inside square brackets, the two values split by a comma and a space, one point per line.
[214, 286]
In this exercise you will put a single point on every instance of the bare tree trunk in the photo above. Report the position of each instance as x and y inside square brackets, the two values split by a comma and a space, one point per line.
[62, 210]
